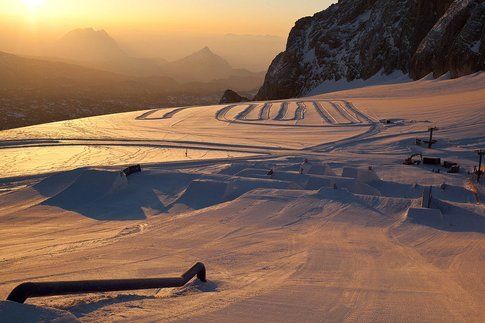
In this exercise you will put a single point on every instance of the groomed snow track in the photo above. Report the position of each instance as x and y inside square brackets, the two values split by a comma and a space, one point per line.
[328, 112]
[167, 115]
[264, 114]
[282, 111]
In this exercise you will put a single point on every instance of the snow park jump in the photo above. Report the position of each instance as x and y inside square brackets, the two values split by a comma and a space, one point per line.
[245, 202]
[308, 199]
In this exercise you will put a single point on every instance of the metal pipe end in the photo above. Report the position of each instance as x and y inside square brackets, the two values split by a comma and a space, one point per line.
[20, 293]
[201, 275]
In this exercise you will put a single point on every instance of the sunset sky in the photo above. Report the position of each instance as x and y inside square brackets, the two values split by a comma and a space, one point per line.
[249, 33]
[273, 17]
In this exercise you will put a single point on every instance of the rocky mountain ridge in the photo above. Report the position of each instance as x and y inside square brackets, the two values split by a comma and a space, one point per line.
[356, 39]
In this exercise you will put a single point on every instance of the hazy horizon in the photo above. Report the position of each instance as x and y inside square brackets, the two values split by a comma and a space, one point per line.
[238, 30]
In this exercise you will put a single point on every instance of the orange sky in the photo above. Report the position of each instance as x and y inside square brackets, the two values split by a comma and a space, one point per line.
[168, 29]
[273, 17]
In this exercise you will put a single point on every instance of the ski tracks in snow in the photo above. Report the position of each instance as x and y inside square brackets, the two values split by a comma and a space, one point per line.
[168, 115]
[264, 114]
[336, 113]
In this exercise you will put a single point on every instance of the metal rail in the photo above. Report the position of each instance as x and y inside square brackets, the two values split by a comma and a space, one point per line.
[26, 290]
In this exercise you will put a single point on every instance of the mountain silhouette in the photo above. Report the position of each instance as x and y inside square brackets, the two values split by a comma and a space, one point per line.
[89, 45]
[96, 49]
[40, 91]
[202, 66]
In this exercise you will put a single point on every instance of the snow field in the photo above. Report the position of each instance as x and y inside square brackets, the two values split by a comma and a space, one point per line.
[343, 240]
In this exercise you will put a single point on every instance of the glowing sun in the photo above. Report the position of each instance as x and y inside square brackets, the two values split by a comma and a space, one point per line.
[32, 4]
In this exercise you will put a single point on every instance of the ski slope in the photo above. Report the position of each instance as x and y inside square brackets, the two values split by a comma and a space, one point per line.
[341, 242]
[176, 134]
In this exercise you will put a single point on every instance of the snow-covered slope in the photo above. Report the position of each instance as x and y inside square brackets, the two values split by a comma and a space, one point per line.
[341, 236]
[13, 312]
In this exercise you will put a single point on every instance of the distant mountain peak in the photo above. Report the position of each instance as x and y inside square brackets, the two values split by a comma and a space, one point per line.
[204, 52]
[88, 32]
[203, 65]
[89, 44]
[206, 49]
[206, 56]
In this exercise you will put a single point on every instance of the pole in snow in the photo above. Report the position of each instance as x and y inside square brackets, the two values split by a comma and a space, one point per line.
[480, 153]
[430, 142]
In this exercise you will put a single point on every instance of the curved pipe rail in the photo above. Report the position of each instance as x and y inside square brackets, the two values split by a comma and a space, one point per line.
[26, 290]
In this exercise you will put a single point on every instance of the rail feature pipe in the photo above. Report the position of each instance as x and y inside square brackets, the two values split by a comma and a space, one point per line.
[31, 289]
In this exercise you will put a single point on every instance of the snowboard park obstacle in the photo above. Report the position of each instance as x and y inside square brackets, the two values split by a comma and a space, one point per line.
[427, 197]
[27, 290]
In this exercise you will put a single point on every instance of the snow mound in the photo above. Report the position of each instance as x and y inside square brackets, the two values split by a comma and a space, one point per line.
[430, 217]
[202, 193]
[453, 193]
[240, 186]
[321, 169]
[235, 168]
[300, 180]
[318, 176]
[289, 167]
[253, 173]
[56, 183]
[449, 216]
[363, 175]
[336, 195]
[350, 184]
[15, 312]
[293, 177]
[90, 186]
[400, 190]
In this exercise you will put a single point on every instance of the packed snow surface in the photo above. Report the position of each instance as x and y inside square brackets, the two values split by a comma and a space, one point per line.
[14, 312]
[301, 210]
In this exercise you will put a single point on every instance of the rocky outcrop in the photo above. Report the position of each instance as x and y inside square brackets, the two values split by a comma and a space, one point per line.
[454, 44]
[232, 97]
[356, 39]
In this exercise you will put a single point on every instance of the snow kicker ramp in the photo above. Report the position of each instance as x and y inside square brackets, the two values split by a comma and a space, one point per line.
[311, 181]
[203, 193]
[56, 183]
[430, 217]
[89, 188]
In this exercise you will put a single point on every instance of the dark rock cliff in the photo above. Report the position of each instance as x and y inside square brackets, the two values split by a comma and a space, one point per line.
[355, 39]
[454, 44]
